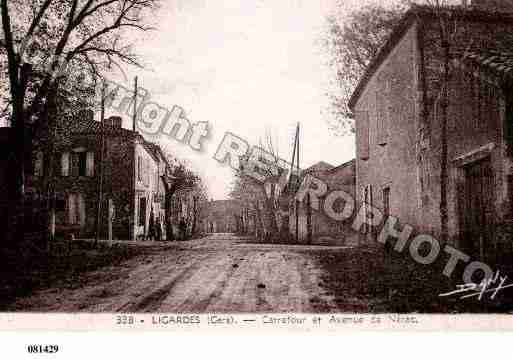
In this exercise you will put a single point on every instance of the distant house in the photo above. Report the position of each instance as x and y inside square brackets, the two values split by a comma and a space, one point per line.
[398, 127]
[222, 216]
[324, 229]
[135, 175]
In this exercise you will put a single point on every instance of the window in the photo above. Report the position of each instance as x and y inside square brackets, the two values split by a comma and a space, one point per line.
[386, 202]
[82, 163]
[367, 204]
[90, 164]
[383, 114]
[146, 172]
[139, 168]
[142, 211]
[65, 164]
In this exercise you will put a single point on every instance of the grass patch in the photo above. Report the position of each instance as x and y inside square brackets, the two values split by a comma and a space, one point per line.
[363, 279]
[62, 267]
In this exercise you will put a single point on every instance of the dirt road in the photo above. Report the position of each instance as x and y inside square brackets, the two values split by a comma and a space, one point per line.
[220, 273]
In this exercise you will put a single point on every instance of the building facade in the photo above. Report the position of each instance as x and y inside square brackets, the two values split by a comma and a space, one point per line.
[324, 229]
[222, 216]
[129, 176]
[398, 108]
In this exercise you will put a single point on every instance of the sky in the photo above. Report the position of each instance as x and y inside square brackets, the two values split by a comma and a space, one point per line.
[249, 67]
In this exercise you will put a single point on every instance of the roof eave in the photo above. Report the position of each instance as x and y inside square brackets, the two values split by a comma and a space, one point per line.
[409, 18]
[394, 38]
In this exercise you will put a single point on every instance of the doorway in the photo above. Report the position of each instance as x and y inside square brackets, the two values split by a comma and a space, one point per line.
[478, 208]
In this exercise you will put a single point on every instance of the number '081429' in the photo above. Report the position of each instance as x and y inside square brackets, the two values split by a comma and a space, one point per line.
[40, 349]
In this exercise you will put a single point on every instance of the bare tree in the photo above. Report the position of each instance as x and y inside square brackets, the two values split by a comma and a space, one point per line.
[352, 43]
[68, 37]
[264, 194]
[250, 194]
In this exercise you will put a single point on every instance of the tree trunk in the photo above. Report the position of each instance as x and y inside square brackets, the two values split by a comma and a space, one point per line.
[260, 223]
[443, 139]
[49, 153]
[169, 226]
[21, 144]
[270, 219]
[308, 219]
[195, 215]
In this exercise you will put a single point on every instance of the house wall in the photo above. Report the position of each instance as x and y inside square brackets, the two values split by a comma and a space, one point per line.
[221, 216]
[121, 148]
[75, 194]
[474, 123]
[146, 186]
[325, 229]
[386, 113]
[118, 184]
[407, 87]
[85, 189]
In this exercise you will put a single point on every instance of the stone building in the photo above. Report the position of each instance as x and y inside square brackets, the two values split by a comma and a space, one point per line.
[325, 229]
[135, 175]
[397, 108]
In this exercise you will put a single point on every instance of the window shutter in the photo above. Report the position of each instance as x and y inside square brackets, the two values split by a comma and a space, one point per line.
[139, 168]
[38, 165]
[65, 164]
[362, 135]
[147, 173]
[81, 210]
[90, 164]
[71, 209]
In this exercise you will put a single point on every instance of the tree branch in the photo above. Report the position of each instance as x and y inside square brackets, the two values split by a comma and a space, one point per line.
[9, 46]
[37, 19]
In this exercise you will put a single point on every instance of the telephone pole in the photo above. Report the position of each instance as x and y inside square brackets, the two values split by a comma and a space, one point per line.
[134, 164]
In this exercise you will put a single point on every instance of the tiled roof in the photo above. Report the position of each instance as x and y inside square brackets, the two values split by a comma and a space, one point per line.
[415, 14]
[496, 62]
[319, 166]
[345, 164]
[83, 126]
[80, 125]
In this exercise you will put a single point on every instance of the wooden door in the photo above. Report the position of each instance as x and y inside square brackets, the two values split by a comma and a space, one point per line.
[478, 208]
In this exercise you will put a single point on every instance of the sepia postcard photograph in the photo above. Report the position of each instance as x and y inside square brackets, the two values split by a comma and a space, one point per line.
[291, 165]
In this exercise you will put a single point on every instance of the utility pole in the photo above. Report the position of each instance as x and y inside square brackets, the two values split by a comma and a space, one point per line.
[134, 163]
[297, 186]
[102, 145]
[111, 214]
[296, 160]
[135, 105]
[308, 219]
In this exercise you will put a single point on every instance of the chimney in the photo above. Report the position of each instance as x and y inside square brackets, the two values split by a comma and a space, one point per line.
[87, 115]
[117, 121]
[113, 121]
